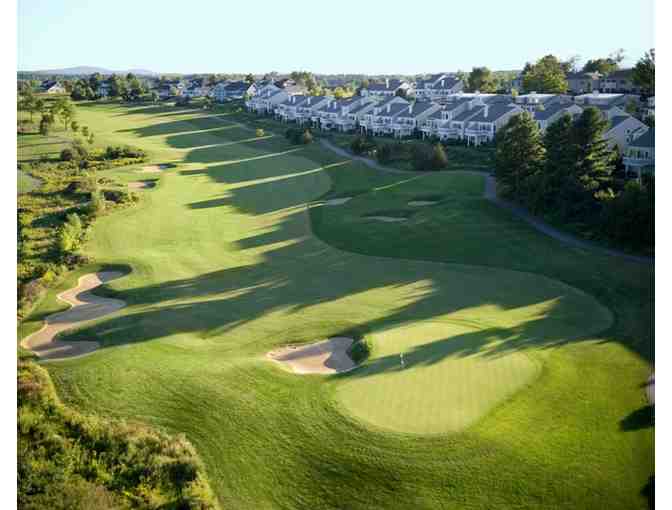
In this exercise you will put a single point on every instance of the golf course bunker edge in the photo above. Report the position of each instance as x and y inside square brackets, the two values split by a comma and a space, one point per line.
[328, 356]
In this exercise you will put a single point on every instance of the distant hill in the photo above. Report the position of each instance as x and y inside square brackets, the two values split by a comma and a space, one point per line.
[80, 70]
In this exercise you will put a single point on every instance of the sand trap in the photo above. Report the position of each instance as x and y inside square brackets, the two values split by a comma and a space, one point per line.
[149, 169]
[421, 203]
[326, 357]
[386, 219]
[337, 201]
[141, 184]
[84, 307]
[650, 389]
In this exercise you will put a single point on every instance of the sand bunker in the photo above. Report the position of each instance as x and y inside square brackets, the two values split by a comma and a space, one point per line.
[85, 307]
[650, 389]
[421, 203]
[326, 357]
[141, 184]
[337, 201]
[386, 219]
[149, 169]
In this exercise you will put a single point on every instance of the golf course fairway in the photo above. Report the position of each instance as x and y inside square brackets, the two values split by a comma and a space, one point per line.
[522, 358]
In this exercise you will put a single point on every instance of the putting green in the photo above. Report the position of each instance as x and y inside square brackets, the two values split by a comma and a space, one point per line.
[439, 388]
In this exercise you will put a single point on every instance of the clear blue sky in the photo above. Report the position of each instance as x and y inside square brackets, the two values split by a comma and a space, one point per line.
[362, 36]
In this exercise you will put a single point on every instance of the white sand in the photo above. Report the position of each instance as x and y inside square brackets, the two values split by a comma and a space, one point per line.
[337, 201]
[326, 357]
[386, 219]
[149, 169]
[85, 307]
[141, 184]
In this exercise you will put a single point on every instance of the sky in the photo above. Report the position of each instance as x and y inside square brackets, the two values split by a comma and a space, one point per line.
[362, 36]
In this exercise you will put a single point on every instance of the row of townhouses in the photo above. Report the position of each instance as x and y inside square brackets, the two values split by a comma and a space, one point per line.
[470, 117]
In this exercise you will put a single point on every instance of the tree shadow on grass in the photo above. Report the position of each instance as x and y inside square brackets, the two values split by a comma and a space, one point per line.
[642, 418]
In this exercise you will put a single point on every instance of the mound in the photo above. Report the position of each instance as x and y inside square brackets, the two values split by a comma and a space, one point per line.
[326, 357]
[85, 306]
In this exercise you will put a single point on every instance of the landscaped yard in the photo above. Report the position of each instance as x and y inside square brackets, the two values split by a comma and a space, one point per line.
[523, 359]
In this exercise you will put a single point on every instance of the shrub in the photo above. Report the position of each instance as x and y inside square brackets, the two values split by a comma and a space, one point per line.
[439, 159]
[67, 155]
[421, 158]
[306, 137]
[97, 205]
[259, 132]
[384, 153]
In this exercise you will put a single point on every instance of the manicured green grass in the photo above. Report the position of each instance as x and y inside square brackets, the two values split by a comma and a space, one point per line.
[228, 263]
[25, 183]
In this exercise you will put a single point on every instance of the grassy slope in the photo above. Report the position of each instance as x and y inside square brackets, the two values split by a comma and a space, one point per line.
[225, 266]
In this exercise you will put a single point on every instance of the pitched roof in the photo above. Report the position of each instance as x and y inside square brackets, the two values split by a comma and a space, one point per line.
[618, 120]
[389, 85]
[494, 112]
[647, 140]
[467, 114]
[394, 109]
[549, 111]
[358, 108]
[416, 109]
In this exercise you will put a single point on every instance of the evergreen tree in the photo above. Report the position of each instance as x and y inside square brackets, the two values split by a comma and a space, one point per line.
[518, 156]
[594, 162]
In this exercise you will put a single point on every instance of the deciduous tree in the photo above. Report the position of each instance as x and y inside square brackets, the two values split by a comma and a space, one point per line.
[546, 76]
[644, 74]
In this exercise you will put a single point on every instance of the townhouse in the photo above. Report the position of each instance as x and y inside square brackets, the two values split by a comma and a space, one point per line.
[438, 87]
[267, 100]
[620, 81]
[387, 88]
[306, 111]
[640, 154]
[356, 113]
[344, 121]
[582, 83]
[412, 117]
[532, 102]
[369, 118]
[52, 87]
[287, 109]
[547, 116]
[622, 130]
[437, 124]
[229, 90]
[489, 118]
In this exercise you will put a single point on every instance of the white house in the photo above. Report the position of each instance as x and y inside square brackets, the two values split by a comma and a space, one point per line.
[266, 102]
[546, 116]
[411, 117]
[306, 111]
[640, 154]
[368, 119]
[228, 90]
[623, 130]
[581, 83]
[482, 127]
[438, 122]
[346, 122]
[52, 87]
[620, 81]
[531, 102]
[438, 87]
[387, 88]
[356, 113]
[287, 109]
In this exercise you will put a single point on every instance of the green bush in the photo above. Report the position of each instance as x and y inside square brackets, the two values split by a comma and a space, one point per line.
[70, 461]
[67, 154]
[259, 132]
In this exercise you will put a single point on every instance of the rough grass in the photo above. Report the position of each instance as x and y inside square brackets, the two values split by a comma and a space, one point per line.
[226, 266]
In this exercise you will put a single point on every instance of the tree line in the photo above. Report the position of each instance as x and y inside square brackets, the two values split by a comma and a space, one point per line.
[569, 175]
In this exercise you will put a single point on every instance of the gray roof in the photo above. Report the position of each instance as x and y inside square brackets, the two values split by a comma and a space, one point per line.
[467, 114]
[549, 111]
[313, 100]
[416, 109]
[358, 108]
[495, 111]
[617, 120]
[646, 140]
[391, 85]
[395, 108]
